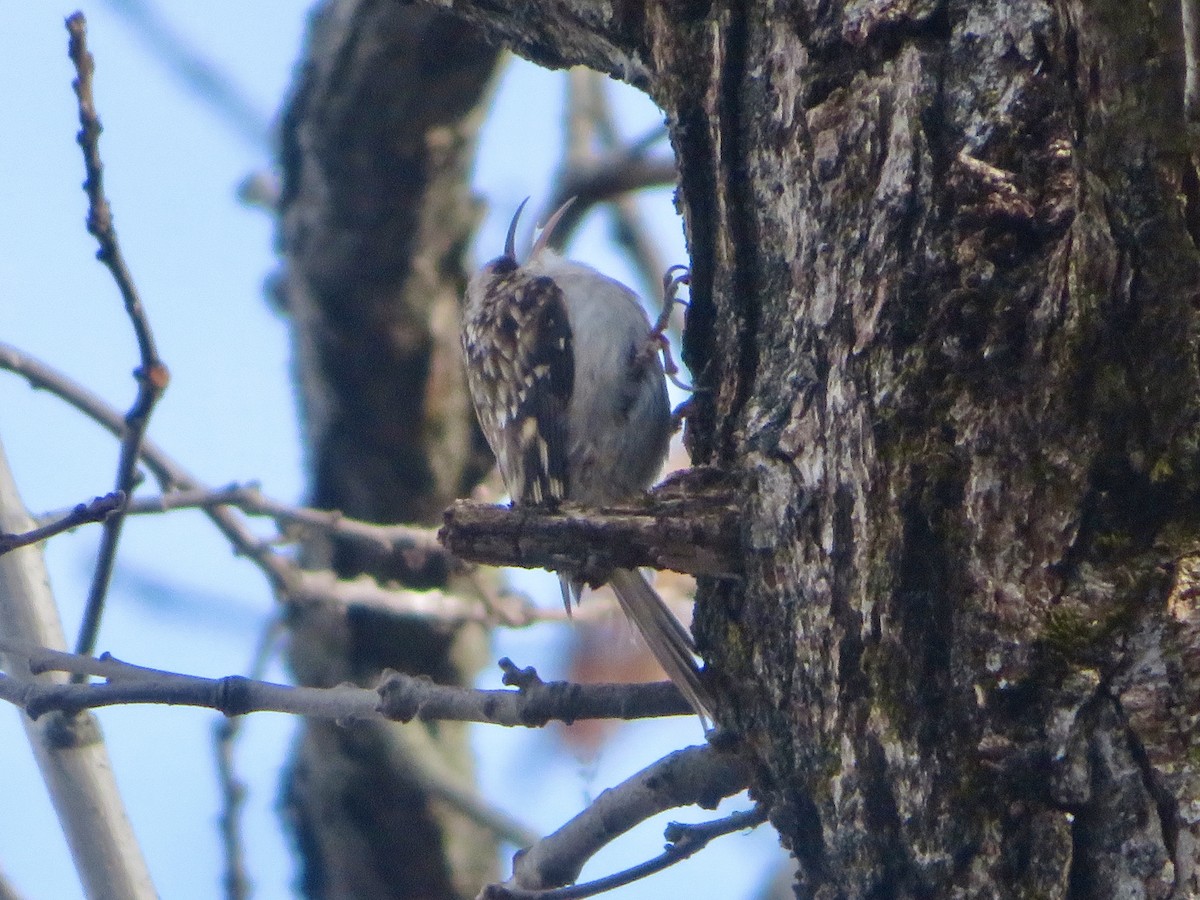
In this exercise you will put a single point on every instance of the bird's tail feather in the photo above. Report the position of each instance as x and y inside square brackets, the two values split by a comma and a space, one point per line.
[667, 639]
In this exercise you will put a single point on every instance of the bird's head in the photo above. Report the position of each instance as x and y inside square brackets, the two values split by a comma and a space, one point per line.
[507, 266]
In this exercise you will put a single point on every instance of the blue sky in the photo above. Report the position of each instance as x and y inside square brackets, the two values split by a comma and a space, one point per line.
[181, 601]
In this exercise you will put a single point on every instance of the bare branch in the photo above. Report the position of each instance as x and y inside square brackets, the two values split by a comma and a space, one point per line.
[697, 775]
[386, 539]
[127, 683]
[414, 750]
[399, 697]
[605, 178]
[702, 546]
[95, 511]
[690, 524]
[683, 841]
[365, 592]
[42, 376]
[151, 375]
[423, 763]
[629, 229]
[291, 583]
[70, 752]
[608, 176]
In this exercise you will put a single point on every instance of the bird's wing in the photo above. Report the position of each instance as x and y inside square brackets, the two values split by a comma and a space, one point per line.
[529, 359]
[551, 359]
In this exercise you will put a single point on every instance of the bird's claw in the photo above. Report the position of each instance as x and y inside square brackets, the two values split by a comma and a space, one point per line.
[672, 280]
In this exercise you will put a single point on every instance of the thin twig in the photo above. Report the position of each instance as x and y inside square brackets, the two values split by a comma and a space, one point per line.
[95, 511]
[649, 139]
[600, 166]
[233, 789]
[151, 375]
[169, 474]
[250, 500]
[290, 583]
[415, 752]
[683, 841]
[591, 177]
[607, 177]
[100, 219]
[229, 821]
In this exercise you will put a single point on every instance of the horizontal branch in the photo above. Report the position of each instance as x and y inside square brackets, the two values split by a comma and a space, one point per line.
[691, 524]
[291, 583]
[129, 684]
[533, 704]
[399, 697]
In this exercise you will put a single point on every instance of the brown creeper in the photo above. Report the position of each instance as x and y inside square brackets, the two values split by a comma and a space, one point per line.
[573, 400]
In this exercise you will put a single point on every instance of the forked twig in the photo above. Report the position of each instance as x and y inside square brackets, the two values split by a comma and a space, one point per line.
[683, 841]
[699, 775]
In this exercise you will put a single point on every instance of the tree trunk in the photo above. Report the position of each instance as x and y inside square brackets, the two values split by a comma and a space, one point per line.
[378, 140]
[944, 322]
[952, 338]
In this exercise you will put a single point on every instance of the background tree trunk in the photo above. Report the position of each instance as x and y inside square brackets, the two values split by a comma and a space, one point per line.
[378, 140]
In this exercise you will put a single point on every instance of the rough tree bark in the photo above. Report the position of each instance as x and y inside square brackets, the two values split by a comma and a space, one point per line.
[377, 142]
[944, 313]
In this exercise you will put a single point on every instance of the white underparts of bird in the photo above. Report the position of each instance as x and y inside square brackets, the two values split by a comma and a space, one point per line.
[574, 405]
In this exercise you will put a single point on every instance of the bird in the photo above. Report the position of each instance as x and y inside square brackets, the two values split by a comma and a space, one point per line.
[570, 392]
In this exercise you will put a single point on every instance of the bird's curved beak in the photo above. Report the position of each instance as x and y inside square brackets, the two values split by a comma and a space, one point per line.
[510, 242]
